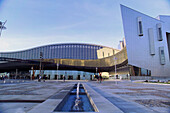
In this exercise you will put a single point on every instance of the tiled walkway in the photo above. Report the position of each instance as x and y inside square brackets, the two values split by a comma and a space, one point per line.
[133, 97]
[127, 96]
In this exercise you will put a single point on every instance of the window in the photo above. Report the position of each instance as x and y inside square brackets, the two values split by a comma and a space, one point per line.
[168, 42]
[140, 29]
[151, 41]
[162, 55]
[159, 32]
[162, 52]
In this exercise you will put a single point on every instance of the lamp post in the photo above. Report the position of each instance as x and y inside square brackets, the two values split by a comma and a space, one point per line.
[57, 70]
[32, 68]
[96, 70]
[41, 57]
[96, 74]
[115, 64]
[115, 67]
[115, 61]
[16, 74]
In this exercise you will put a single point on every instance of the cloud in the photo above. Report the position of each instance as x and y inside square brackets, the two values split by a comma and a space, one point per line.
[68, 26]
[4, 44]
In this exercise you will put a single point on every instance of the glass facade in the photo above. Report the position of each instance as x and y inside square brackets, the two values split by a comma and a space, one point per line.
[69, 75]
[60, 51]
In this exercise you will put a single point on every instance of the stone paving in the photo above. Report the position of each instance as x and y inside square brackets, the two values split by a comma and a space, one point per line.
[21, 97]
[152, 96]
[127, 96]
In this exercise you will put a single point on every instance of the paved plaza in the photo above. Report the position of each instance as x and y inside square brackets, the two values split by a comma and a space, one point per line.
[108, 96]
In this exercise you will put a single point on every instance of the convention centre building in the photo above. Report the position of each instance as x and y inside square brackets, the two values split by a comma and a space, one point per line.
[53, 57]
[144, 54]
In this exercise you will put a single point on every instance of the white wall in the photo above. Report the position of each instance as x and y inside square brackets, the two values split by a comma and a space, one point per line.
[138, 50]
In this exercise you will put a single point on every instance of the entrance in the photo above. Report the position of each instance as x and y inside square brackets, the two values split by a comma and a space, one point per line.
[48, 77]
[61, 77]
[90, 77]
[70, 77]
[56, 76]
[78, 77]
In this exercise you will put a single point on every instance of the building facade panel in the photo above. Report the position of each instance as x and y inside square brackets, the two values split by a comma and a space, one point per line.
[138, 46]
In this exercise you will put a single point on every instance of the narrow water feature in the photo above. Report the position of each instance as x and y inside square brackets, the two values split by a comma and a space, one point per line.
[76, 101]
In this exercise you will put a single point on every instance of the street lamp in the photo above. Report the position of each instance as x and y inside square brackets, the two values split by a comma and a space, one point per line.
[16, 74]
[41, 57]
[96, 70]
[32, 68]
[57, 70]
[115, 64]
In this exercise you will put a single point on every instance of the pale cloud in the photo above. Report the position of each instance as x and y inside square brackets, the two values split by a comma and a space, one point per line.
[4, 45]
[68, 26]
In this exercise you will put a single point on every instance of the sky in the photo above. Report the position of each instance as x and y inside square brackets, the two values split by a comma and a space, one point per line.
[32, 23]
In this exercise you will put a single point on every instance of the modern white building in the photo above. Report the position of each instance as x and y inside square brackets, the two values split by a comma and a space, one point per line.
[147, 41]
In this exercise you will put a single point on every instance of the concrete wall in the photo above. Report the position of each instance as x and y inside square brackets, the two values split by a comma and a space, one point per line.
[104, 52]
[138, 47]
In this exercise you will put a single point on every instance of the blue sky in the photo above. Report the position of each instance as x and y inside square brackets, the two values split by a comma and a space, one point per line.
[33, 23]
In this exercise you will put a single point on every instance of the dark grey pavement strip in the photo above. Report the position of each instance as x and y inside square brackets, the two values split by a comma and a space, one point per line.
[125, 106]
[19, 101]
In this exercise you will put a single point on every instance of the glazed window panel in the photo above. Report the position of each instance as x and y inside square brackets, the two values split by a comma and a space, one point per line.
[9, 55]
[44, 52]
[162, 55]
[159, 32]
[30, 54]
[20, 57]
[33, 54]
[57, 52]
[78, 52]
[151, 41]
[52, 51]
[38, 53]
[25, 55]
[48, 49]
[140, 27]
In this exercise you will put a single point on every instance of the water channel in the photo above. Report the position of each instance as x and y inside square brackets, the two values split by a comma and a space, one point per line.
[76, 101]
